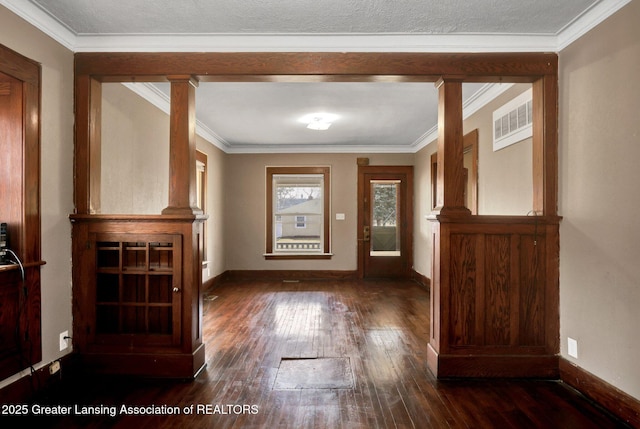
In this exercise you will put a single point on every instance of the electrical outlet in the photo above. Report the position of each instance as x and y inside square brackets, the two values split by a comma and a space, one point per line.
[64, 342]
[54, 367]
[572, 347]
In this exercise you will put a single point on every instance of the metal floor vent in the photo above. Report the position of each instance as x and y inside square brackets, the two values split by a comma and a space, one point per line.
[314, 373]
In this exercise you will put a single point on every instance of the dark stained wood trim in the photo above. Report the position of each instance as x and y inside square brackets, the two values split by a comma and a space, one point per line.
[540, 69]
[21, 210]
[498, 366]
[88, 136]
[617, 402]
[322, 66]
[394, 171]
[495, 296]
[19, 66]
[214, 282]
[182, 147]
[545, 145]
[450, 177]
[31, 386]
[273, 257]
[421, 279]
[234, 275]
[470, 144]
[145, 355]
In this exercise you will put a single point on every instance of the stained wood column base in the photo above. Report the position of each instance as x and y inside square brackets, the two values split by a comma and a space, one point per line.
[492, 366]
[184, 211]
[450, 211]
[176, 366]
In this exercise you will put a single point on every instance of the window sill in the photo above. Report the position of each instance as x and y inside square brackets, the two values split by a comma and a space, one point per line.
[272, 256]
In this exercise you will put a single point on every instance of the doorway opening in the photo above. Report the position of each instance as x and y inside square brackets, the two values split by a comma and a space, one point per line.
[385, 221]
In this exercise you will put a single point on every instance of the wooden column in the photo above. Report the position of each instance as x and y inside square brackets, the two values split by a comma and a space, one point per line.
[88, 100]
[450, 182]
[545, 146]
[182, 150]
[494, 289]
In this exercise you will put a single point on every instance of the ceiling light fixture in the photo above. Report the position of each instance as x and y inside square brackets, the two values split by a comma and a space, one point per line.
[320, 121]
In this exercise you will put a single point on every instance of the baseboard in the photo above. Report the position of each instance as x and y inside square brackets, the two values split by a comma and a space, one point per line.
[214, 282]
[609, 397]
[422, 280]
[290, 275]
[39, 382]
[492, 366]
[177, 366]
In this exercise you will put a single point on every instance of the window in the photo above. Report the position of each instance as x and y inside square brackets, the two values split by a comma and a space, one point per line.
[298, 204]
[301, 221]
[201, 195]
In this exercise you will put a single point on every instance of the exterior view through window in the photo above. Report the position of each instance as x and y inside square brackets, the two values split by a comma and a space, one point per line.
[298, 206]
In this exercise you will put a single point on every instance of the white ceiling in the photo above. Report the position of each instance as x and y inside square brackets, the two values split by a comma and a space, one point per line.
[373, 117]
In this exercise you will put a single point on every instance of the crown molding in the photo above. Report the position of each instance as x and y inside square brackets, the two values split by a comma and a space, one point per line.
[301, 42]
[333, 148]
[43, 22]
[471, 105]
[159, 99]
[162, 101]
[450, 43]
[588, 20]
[405, 42]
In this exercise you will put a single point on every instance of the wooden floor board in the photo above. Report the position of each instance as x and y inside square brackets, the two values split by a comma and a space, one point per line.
[380, 326]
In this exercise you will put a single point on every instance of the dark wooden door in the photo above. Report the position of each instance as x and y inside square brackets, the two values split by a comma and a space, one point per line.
[385, 221]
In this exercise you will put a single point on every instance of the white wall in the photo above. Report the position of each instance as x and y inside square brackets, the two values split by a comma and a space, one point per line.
[135, 154]
[215, 224]
[505, 177]
[599, 199]
[56, 176]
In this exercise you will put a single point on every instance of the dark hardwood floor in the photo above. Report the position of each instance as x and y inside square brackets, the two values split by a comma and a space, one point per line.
[321, 354]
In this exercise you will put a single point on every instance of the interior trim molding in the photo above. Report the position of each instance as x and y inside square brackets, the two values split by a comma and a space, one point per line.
[422, 280]
[290, 275]
[592, 17]
[477, 101]
[38, 382]
[331, 42]
[156, 97]
[617, 402]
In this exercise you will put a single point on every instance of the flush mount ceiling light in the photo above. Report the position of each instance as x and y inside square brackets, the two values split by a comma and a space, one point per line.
[318, 121]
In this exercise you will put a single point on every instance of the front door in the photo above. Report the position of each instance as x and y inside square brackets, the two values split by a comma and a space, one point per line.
[385, 221]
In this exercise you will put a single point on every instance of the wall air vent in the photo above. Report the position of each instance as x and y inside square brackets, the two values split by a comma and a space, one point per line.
[512, 122]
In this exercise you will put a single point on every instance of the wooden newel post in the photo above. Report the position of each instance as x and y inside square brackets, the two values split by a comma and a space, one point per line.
[450, 181]
[182, 147]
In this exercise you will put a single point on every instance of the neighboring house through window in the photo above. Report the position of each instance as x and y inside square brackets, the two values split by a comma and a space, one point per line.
[298, 204]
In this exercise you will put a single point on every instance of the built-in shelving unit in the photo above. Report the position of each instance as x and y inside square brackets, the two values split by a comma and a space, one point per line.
[137, 286]
[137, 302]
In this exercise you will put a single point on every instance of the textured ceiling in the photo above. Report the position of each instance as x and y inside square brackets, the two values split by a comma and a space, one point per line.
[373, 117]
[315, 16]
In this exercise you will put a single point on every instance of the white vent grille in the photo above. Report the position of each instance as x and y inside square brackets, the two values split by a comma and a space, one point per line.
[512, 122]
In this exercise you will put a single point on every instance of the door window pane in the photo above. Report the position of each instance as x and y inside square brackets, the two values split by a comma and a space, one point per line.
[385, 219]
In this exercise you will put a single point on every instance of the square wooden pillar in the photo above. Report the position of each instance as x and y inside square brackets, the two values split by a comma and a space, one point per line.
[182, 147]
[450, 181]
